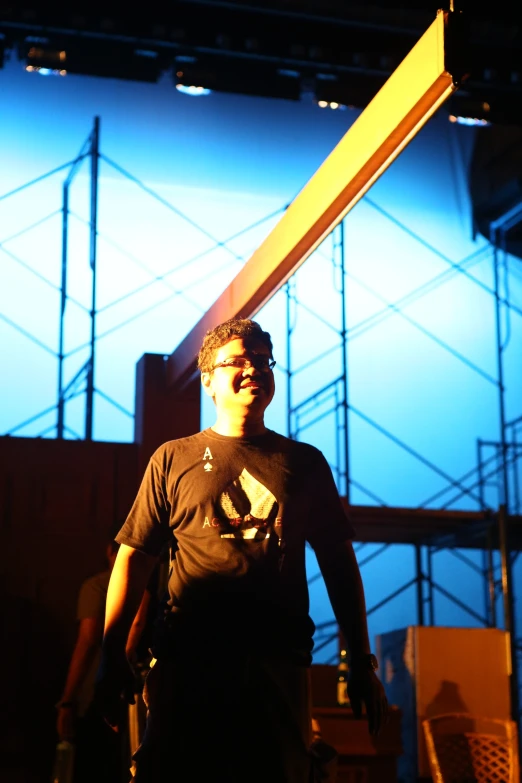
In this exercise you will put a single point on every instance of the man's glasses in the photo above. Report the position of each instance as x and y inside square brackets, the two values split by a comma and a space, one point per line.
[261, 363]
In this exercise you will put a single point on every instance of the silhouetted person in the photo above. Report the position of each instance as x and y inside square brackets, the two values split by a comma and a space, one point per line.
[98, 749]
[229, 697]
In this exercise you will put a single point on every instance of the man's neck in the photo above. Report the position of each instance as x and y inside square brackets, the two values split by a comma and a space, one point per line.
[239, 426]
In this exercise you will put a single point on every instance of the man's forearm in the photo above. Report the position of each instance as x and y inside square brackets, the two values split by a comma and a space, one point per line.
[345, 589]
[129, 578]
[343, 582]
[85, 649]
[138, 626]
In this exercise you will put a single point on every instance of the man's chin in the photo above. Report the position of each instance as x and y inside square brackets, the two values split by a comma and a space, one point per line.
[255, 397]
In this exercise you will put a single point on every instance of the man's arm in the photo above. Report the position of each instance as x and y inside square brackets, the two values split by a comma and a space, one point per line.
[129, 579]
[87, 644]
[137, 628]
[343, 581]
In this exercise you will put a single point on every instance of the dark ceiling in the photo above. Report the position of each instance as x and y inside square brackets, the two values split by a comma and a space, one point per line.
[333, 50]
[330, 51]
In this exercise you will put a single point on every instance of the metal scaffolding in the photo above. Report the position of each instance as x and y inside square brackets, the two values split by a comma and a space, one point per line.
[493, 531]
[497, 460]
[82, 381]
[91, 150]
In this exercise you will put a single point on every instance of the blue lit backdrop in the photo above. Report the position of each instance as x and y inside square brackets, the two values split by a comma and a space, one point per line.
[204, 170]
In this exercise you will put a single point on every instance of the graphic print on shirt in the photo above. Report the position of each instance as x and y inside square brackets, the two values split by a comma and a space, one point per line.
[207, 455]
[247, 509]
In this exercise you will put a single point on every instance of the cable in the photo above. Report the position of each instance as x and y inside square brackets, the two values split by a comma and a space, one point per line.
[28, 335]
[39, 179]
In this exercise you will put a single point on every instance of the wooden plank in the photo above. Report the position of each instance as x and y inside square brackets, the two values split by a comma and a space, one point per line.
[411, 95]
[443, 528]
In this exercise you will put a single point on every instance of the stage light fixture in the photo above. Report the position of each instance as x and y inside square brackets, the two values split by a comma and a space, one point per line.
[347, 91]
[46, 60]
[235, 75]
[92, 57]
[485, 110]
[332, 105]
[469, 121]
[193, 90]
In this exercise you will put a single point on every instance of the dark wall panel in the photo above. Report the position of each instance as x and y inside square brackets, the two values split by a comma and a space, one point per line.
[60, 502]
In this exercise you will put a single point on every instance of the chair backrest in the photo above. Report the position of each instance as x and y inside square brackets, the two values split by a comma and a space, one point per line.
[466, 748]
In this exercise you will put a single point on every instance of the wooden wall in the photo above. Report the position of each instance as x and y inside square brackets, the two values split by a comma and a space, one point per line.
[60, 501]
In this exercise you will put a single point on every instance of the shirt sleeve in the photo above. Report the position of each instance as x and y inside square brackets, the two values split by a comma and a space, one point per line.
[147, 526]
[92, 597]
[328, 522]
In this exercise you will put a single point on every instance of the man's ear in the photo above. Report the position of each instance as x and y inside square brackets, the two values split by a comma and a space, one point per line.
[206, 382]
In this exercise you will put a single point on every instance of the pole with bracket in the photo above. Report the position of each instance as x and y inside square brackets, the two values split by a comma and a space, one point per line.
[60, 425]
[503, 512]
[93, 232]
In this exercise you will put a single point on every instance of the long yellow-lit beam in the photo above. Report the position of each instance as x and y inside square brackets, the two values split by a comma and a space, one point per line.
[414, 91]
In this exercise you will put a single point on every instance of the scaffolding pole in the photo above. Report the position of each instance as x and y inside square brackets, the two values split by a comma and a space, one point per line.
[288, 292]
[344, 350]
[420, 584]
[63, 301]
[94, 155]
[503, 512]
[431, 603]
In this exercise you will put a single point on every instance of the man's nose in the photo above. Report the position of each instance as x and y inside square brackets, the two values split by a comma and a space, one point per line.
[251, 370]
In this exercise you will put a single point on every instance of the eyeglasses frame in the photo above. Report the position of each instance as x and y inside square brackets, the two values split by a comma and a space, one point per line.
[248, 363]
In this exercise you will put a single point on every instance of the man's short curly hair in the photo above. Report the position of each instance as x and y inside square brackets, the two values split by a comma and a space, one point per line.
[223, 333]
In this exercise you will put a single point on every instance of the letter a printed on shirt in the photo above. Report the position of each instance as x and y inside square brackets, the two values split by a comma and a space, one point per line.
[207, 455]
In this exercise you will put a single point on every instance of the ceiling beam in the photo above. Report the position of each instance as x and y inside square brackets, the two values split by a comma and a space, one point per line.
[414, 91]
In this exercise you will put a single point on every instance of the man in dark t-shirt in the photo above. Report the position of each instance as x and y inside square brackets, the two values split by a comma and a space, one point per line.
[228, 697]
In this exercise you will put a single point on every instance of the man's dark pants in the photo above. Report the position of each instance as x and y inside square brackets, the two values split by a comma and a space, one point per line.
[234, 718]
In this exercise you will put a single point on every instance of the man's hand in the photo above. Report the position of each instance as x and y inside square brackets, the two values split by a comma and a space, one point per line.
[66, 721]
[115, 681]
[114, 688]
[364, 687]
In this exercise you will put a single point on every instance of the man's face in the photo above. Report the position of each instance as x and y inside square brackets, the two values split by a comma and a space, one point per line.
[233, 388]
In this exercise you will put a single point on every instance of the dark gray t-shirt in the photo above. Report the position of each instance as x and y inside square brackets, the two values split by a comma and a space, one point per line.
[238, 513]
